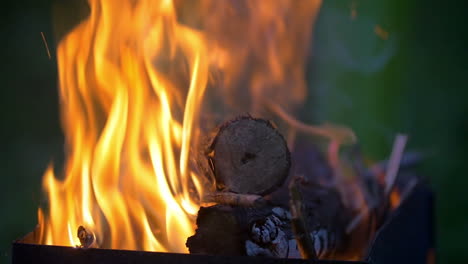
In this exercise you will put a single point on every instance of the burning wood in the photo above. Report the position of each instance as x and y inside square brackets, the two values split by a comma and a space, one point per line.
[235, 199]
[87, 239]
[133, 77]
[249, 156]
[303, 238]
[311, 222]
[315, 222]
[267, 229]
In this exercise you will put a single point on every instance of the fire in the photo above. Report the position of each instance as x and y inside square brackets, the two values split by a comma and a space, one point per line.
[133, 79]
[128, 172]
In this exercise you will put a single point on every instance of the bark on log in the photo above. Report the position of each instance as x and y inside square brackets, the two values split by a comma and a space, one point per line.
[249, 156]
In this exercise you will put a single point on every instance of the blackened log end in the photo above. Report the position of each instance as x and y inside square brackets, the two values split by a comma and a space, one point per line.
[249, 156]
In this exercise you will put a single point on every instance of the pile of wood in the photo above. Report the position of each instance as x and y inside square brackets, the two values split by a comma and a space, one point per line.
[262, 209]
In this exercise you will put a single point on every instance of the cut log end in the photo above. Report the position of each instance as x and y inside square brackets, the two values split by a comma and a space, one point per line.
[249, 156]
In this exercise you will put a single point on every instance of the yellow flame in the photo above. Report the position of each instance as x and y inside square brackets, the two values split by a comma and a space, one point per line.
[132, 80]
[128, 170]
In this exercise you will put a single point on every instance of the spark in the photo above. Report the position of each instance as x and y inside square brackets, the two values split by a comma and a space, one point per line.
[353, 9]
[46, 46]
[379, 31]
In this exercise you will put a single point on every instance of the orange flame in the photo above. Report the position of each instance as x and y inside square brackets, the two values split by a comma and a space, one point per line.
[132, 81]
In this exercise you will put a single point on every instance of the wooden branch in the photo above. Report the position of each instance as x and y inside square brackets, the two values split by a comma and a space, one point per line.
[235, 199]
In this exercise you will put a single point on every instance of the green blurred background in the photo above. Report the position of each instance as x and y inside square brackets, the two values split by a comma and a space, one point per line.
[412, 79]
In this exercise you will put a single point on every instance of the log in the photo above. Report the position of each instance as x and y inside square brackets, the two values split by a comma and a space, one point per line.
[224, 229]
[268, 230]
[248, 155]
[248, 158]
[299, 225]
[318, 220]
[248, 161]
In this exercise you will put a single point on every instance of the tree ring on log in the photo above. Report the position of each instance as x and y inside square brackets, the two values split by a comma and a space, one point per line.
[249, 156]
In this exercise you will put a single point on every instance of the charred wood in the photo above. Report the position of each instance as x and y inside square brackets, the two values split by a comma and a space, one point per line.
[256, 214]
[318, 220]
[299, 225]
[224, 230]
[272, 231]
[234, 199]
[249, 156]
[86, 237]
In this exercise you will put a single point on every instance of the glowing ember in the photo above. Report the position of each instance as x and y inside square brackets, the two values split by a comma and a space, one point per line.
[132, 80]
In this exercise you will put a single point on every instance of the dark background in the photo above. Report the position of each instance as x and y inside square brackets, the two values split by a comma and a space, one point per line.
[413, 81]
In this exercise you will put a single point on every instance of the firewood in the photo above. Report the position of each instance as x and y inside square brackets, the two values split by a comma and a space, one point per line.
[318, 220]
[271, 231]
[224, 230]
[87, 238]
[267, 238]
[249, 156]
[299, 226]
[377, 193]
